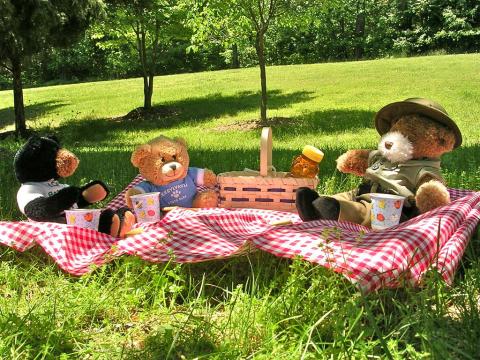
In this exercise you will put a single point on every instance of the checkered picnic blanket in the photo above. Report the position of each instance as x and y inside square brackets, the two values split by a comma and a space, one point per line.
[370, 259]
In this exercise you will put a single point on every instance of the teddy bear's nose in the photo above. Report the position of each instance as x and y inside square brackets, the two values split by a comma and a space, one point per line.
[388, 145]
[173, 167]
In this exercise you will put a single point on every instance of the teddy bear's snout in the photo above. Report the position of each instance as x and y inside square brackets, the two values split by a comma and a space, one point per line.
[172, 169]
[395, 147]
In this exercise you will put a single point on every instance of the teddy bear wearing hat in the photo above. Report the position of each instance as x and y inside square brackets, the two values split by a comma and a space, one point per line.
[415, 133]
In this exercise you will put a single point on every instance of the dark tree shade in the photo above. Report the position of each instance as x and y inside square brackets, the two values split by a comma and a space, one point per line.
[28, 26]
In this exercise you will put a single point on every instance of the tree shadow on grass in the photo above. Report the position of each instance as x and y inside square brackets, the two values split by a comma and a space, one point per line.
[330, 121]
[187, 111]
[216, 105]
[32, 112]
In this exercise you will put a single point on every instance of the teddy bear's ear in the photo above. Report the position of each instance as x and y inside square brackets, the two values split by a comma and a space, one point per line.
[53, 137]
[181, 141]
[139, 153]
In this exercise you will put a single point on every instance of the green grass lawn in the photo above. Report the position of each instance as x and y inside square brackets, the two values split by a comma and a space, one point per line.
[256, 306]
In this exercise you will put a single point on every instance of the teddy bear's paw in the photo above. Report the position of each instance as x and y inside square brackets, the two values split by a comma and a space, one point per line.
[431, 195]
[327, 207]
[304, 204]
[127, 224]
[353, 162]
[206, 199]
[130, 192]
[209, 178]
[94, 193]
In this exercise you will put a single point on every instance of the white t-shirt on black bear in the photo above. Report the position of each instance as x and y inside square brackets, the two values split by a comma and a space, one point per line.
[32, 190]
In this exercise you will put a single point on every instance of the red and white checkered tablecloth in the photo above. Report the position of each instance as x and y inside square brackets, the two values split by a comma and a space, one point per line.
[370, 259]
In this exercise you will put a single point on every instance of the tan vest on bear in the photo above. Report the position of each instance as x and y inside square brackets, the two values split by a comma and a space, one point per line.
[400, 179]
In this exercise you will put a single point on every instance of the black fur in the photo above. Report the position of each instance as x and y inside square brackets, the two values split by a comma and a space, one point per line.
[304, 200]
[328, 207]
[311, 206]
[36, 159]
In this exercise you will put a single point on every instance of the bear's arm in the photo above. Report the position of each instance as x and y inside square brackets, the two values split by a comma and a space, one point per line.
[431, 190]
[47, 208]
[202, 177]
[92, 192]
[209, 178]
[354, 162]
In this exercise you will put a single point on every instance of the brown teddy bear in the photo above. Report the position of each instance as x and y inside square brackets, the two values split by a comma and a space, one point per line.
[415, 133]
[164, 163]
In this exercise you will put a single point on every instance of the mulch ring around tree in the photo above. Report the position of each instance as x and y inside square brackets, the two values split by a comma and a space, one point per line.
[159, 113]
[245, 125]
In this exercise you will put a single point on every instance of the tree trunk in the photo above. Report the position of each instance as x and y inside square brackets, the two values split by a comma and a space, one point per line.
[20, 126]
[146, 71]
[359, 31]
[235, 59]
[342, 36]
[147, 91]
[260, 47]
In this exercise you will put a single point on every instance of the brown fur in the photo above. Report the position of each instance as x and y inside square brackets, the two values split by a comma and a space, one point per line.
[353, 162]
[430, 139]
[66, 163]
[430, 195]
[150, 157]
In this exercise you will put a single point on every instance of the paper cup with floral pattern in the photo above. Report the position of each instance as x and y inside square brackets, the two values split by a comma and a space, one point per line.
[146, 207]
[386, 210]
[84, 218]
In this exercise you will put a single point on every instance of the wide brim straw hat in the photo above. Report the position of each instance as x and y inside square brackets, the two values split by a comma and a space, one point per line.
[389, 114]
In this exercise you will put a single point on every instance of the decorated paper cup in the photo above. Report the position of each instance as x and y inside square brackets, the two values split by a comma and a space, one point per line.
[146, 207]
[84, 218]
[386, 210]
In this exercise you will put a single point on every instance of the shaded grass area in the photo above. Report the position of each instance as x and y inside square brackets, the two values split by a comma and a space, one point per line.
[256, 306]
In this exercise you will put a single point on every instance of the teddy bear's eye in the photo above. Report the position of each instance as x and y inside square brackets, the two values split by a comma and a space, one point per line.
[162, 159]
[174, 157]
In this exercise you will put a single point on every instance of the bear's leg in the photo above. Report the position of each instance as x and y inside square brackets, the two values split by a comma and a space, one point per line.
[127, 220]
[109, 222]
[205, 199]
[353, 208]
[116, 223]
[304, 203]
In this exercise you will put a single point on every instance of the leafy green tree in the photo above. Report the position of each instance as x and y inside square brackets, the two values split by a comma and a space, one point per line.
[28, 26]
[237, 20]
[429, 25]
[145, 25]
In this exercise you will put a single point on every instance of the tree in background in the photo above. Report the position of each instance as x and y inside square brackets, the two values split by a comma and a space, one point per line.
[27, 27]
[145, 25]
[445, 25]
[250, 19]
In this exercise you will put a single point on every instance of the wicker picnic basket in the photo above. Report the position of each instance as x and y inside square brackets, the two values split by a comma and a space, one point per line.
[267, 189]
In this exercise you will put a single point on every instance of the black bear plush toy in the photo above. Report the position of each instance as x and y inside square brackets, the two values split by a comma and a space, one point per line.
[39, 163]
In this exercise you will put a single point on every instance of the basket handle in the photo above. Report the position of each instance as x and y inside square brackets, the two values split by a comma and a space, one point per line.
[266, 151]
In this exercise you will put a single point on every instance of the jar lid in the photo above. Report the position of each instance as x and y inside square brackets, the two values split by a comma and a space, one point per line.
[312, 153]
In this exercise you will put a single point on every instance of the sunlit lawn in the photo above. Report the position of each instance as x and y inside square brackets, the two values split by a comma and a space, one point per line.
[257, 306]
